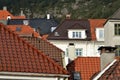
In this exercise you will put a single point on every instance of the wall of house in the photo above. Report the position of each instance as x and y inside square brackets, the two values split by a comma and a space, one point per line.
[110, 38]
[89, 47]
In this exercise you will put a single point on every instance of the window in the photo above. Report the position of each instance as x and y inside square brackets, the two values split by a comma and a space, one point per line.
[18, 28]
[118, 50]
[66, 54]
[76, 34]
[101, 33]
[76, 76]
[53, 28]
[117, 29]
[78, 52]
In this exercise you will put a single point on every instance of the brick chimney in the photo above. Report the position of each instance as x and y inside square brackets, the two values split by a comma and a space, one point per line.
[107, 55]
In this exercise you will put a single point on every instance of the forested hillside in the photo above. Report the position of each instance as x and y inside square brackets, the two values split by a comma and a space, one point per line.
[59, 8]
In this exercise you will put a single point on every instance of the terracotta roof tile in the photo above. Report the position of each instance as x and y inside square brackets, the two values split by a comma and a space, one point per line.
[48, 48]
[19, 56]
[5, 13]
[23, 30]
[96, 23]
[87, 66]
[112, 73]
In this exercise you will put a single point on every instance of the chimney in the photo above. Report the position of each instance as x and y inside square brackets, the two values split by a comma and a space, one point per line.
[21, 13]
[71, 51]
[48, 16]
[68, 16]
[4, 8]
[107, 55]
[8, 17]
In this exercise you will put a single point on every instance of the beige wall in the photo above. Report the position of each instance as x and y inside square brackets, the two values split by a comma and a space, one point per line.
[110, 38]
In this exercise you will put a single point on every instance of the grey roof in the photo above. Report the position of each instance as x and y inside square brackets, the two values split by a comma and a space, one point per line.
[40, 23]
[61, 30]
[116, 14]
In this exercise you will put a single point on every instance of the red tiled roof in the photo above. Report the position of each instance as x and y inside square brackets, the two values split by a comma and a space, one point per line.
[86, 66]
[48, 48]
[5, 13]
[112, 73]
[16, 55]
[25, 30]
[96, 23]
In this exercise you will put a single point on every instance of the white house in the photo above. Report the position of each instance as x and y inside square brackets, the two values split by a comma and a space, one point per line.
[79, 37]
[112, 34]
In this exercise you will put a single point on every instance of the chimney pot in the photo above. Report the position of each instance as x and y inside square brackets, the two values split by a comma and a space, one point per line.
[68, 16]
[4, 8]
[48, 16]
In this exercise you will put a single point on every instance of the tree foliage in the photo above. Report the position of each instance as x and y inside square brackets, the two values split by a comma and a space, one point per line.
[77, 8]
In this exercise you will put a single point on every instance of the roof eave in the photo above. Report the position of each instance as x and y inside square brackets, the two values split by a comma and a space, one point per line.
[102, 72]
[34, 74]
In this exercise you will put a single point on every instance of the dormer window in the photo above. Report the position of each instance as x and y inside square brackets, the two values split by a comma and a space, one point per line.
[100, 34]
[77, 34]
[18, 29]
[56, 34]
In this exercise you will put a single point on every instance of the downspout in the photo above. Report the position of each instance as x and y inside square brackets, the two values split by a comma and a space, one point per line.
[86, 48]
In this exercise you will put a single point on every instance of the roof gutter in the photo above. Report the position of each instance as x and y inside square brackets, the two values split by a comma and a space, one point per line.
[33, 74]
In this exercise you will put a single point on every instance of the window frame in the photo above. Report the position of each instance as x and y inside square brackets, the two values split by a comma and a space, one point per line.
[78, 51]
[77, 34]
[76, 76]
[117, 29]
[101, 33]
[117, 50]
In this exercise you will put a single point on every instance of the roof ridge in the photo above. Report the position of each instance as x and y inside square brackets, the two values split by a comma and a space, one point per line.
[38, 51]
[102, 72]
[81, 57]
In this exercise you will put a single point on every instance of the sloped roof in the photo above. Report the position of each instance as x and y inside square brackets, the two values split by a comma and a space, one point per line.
[42, 23]
[116, 14]
[62, 29]
[96, 23]
[112, 72]
[5, 13]
[86, 66]
[77, 26]
[24, 30]
[19, 56]
[48, 48]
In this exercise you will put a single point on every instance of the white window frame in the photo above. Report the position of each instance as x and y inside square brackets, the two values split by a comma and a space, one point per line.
[78, 51]
[98, 34]
[77, 34]
[117, 29]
